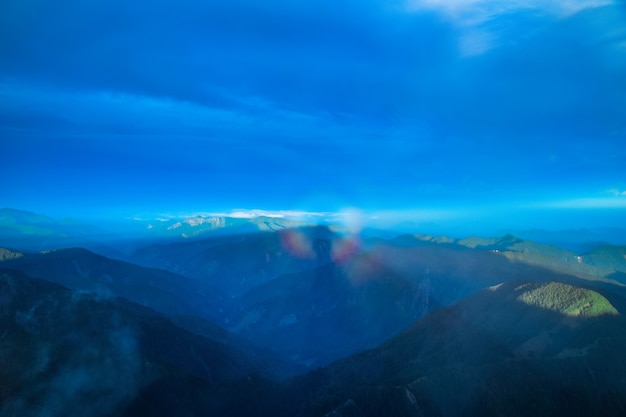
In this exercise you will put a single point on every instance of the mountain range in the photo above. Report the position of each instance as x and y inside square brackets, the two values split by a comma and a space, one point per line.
[519, 348]
[301, 320]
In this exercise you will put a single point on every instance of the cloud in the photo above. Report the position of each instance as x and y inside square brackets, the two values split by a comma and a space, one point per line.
[480, 22]
[472, 12]
[337, 61]
[254, 102]
[252, 213]
[33, 107]
[618, 202]
[617, 192]
[258, 64]
[281, 214]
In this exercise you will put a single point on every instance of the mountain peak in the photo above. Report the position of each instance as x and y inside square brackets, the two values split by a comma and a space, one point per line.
[10, 216]
[7, 254]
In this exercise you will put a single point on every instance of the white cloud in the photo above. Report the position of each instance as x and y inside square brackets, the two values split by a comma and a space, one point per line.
[617, 192]
[470, 16]
[420, 215]
[104, 109]
[252, 213]
[587, 203]
[475, 42]
[471, 12]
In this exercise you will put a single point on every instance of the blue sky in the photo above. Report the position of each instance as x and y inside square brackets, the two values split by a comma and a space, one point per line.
[422, 107]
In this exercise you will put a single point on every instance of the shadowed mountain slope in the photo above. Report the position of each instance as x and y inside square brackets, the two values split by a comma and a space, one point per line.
[234, 264]
[73, 353]
[359, 302]
[520, 348]
[325, 306]
[81, 269]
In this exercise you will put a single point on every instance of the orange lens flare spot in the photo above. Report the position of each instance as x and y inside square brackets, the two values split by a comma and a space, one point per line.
[297, 244]
[344, 248]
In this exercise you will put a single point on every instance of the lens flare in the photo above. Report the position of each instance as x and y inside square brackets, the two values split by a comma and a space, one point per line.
[345, 248]
[297, 244]
[352, 219]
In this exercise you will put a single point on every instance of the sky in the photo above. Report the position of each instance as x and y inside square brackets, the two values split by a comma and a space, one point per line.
[418, 110]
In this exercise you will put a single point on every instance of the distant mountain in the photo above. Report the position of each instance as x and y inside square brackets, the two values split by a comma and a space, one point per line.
[520, 348]
[23, 229]
[73, 353]
[604, 264]
[607, 257]
[7, 254]
[18, 219]
[26, 231]
[350, 305]
[282, 286]
[288, 286]
[575, 240]
[342, 316]
[189, 227]
[476, 326]
[237, 263]
[83, 270]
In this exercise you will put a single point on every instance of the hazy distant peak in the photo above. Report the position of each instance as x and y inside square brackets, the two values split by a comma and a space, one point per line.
[190, 226]
[75, 251]
[199, 220]
[14, 216]
[503, 241]
[434, 239]
[7, 254]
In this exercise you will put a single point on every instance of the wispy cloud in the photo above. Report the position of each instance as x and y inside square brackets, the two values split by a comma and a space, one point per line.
[617, 201]
[617, 192]
[252, 213]
[473, 17]
[107, 111]
[283, 214]
[472, 12]
[315, 106]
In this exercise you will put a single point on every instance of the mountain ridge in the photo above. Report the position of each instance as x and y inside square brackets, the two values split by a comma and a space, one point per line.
[69, 352]
[499, 356]
[379, 326]
[81, 269]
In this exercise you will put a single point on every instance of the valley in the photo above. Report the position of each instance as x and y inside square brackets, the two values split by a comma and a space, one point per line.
[309, 320]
